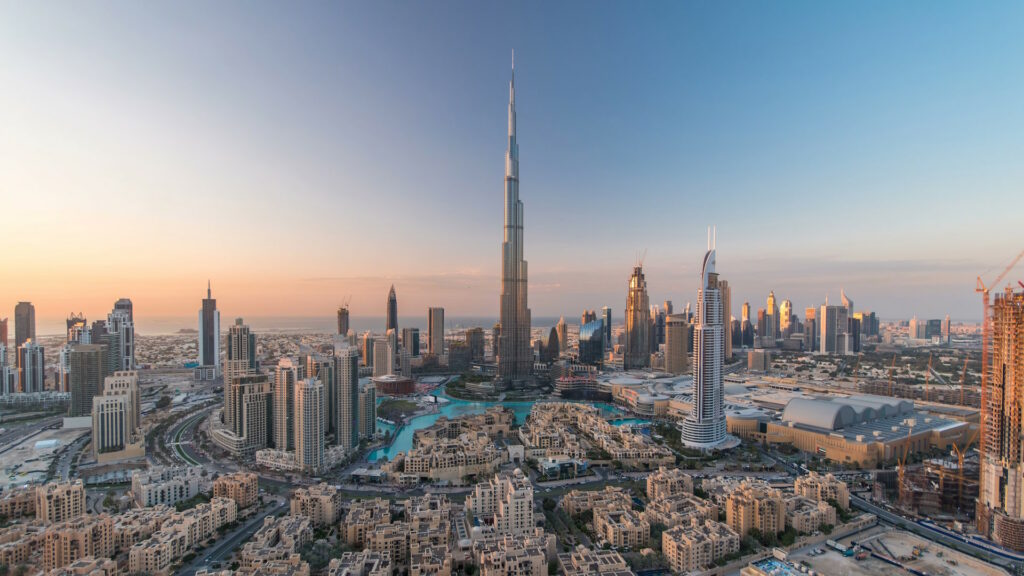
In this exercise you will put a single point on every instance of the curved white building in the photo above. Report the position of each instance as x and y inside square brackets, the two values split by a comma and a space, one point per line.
[705, 427]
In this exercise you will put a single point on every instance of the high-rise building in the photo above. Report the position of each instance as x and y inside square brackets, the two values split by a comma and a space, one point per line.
[3, 332]
[241, 351]
[747, 326]
[209, 338]
[411, 340]
[667, 305]
[562, 332]
[121, 321]
[89, 367]
[945, 331]
[853, 327]
[638, 319]
[588, 316]
[322, 368]
[606, 315]
[8, 374]
[833, 326]
[116, 417]
[343, 320]
[658, 335]
[309, 425]
[677, 338]
[786, 318]
[435, 331]
[771, 318]
[726, 293]
[810, 330]
[285, 376]
[248, 413]
[705, 427]
[515, 358]
[475, 342]
[367, 348]
[367, 411]
[391, 322]
[346, 370]
[31, 365]
[1001, 491]
[24, 323]
[591, 349]
[383, 357]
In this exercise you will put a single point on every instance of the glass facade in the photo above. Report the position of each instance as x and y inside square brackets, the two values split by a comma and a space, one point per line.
[592, 342]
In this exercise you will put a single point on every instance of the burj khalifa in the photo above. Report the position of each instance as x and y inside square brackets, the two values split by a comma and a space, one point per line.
[515, 357]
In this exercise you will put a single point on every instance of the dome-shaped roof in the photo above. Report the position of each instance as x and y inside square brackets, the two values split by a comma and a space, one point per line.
[819, 413]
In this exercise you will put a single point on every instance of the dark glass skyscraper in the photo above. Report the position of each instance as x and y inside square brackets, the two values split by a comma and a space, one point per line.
[392, 311]
[515, 358]
[592, 342]
[209, 336]
[24, 323]
[342, 320]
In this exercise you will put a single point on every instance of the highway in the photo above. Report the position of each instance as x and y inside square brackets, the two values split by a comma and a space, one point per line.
[179, 439]
[225, 545]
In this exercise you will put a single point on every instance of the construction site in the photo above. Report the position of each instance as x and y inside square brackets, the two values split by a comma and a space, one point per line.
[885, 550]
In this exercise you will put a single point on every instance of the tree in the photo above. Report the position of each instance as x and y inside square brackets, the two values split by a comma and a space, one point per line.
[552, 567]
[163, 402]
[548, 504]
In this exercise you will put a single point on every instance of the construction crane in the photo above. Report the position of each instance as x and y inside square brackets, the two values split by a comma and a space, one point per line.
[986, 340]
[928, 378]
[963, 378]
[960, 463]
[901, 471]
[891, 368]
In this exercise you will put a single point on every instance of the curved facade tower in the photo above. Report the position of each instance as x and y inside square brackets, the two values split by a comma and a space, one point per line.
[705, 428]
[515, 357]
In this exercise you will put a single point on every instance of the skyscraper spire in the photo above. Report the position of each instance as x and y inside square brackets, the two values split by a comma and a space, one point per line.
[208, 288]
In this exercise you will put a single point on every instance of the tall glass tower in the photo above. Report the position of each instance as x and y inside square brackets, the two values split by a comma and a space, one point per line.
[392, 311]
[638, 320]
[515, 358]
[705, 427]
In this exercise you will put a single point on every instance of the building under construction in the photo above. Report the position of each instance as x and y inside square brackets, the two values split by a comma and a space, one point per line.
[955, 395]
[1001, 497]
[936, 488]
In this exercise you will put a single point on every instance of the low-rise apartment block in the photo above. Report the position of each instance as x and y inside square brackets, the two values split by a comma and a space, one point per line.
[18, 502]
[363, 516]
[823, 489]
[87, 566]
[277, 539]
[365, 563]
[583, 561]
[505, 501]
[806, 515]
[696, 546]
[166, 485]
[242, 487]
[179, 534]
[756, 505]
[679, 509]
[87, 536]
[60, 501]
[322, 504]
[577, 501]
[667, 482]
[621, 527]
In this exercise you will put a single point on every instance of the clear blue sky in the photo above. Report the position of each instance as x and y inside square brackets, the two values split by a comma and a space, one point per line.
[299, 152]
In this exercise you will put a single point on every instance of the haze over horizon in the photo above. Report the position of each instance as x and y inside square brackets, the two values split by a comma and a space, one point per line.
[300, 155]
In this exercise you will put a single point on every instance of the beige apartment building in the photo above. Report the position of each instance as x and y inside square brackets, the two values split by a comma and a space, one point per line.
[622, 527]
[755, 505]
[242, 487]
[507, 500]
[806, 515]
[60, 501]
[696, 546]
[89, 536]
[583, 561]
[363, 516]
[667, 482]
[823, 489]
[322, 504]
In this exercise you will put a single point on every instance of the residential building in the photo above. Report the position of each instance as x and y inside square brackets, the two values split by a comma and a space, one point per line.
[346, 370]
[697, 546]
[165, 485]
[367, 419]
[285, 376]
[823, 489]
[60, 501]
[677, 344]
[435, 331]
[667, 482]
[31, 366]
[84, 537]
[583, 561]
[242, 487]
[506, 500]
[411, 340]
[755, 505]
[309, 425]
[321, 503]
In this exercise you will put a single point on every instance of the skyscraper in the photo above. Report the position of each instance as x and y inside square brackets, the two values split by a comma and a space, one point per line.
[668, 307]
[392, 311]
[475, 341]
[515, 358]
[121, 322]
[241, 351]
[343, 320]
[704, 428]
[384, 354]
[322, 368]
[248, 413]
[411, 340]
[31, 367]
[811, 330]
[638, 320]
[591, 346]
[285, 376]
[562, 332]
[3, 332]
[346, 370]
[1001, 491]
[89, 367]
[945, 330]
[367, 410]
[677, 338]
[435, 331]
[606, 314]
[309, 425]
[24, 322]
[771, 317]
[833, 325]
[786, 318]
[726, 293]
[367, 348]
[209, 338]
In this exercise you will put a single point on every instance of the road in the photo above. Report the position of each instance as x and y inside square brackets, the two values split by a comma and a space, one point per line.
[180, 437]
[225, 546]
[19, 432]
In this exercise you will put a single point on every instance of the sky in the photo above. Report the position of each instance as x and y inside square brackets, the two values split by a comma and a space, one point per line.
[301, 154]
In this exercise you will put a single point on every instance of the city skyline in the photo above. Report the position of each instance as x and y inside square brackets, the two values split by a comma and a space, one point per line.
[853, 135]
